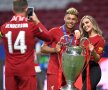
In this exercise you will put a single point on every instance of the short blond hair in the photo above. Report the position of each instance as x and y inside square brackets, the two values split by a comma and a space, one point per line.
[72, 11]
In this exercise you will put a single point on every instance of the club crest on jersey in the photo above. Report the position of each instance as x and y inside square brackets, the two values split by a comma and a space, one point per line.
[100, 49]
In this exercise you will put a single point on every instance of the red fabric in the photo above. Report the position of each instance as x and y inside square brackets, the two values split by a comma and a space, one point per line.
[59, 78]
[87, 58]
[60, 70]
[98, 43]
[88, 85]
[78, 82]
[25, 83]
[54, 65]
[18, 63]
[56, 33]
[52, 82]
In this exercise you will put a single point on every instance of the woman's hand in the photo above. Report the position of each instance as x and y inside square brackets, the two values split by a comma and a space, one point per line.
[94, 53]
[91, 47]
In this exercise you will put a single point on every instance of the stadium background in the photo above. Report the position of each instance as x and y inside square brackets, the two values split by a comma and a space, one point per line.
[51, 13]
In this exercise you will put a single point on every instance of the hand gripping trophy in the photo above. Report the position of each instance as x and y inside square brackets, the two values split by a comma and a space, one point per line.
[73, 60]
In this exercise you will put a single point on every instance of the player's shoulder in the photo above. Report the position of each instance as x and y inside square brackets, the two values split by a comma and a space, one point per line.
[4, 25]
[55, 29]
[31, 24]
[100, 38]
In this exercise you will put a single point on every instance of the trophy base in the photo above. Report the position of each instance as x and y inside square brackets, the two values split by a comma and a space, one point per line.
[66, 87]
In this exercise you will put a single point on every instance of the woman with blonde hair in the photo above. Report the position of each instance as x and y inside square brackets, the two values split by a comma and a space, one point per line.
[92, 73]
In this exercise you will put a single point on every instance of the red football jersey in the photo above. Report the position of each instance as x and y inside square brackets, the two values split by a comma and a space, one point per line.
[56, 33]
[19, 41]
[98, 43]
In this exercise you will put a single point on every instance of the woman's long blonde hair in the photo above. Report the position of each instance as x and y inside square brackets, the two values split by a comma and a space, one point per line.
[94, 23]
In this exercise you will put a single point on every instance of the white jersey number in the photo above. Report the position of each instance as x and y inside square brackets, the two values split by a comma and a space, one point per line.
[19, 42]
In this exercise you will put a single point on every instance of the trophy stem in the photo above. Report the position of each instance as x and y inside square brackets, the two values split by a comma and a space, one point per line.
[69, 86]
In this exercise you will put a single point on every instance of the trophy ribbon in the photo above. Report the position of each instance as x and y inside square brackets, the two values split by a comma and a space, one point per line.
[87, 55]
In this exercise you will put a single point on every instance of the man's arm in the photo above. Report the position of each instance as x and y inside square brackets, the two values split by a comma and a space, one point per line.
[46, 49]
[42, 32]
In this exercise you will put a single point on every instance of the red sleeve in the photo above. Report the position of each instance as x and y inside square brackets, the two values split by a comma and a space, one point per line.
[98, 43]
[41, 26]
[41, 32]
[52, 38]
[100, 46]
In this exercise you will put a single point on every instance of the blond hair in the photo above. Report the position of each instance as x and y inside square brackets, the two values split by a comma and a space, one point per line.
[72, 11]
[94, 23]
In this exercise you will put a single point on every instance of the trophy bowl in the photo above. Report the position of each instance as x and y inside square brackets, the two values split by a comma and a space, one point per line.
[72, 64]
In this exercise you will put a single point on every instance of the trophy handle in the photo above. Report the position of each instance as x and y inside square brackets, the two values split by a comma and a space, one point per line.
[83, 40]
[64, 40]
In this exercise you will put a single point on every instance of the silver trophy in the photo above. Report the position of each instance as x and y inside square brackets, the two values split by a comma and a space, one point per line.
[73, 61]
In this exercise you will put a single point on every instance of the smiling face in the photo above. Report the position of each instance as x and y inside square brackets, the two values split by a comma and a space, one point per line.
[70, 20]
[87, 25]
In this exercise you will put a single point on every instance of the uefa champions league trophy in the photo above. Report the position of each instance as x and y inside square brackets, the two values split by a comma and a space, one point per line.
[73, 62]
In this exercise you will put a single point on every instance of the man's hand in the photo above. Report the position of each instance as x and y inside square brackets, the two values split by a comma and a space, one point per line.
[34, 18]
[77, 34]
[58, 47]
[91, 47]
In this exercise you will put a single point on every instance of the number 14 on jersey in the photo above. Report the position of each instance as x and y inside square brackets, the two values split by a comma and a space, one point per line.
[19, 42]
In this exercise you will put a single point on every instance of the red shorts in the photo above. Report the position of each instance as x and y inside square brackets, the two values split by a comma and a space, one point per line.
[21, 83]
[52, 82]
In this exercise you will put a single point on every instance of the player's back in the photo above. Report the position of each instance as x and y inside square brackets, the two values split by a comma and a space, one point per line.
[18, 40]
